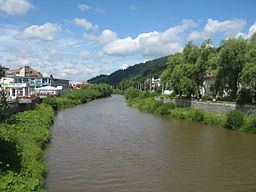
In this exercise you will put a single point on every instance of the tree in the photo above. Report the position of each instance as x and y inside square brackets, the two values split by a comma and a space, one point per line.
[2, 71]
[182, 79]
[172, 61]
[231, 61]
[191, 53]
[249, 71]
[3, 104]
[204, 63]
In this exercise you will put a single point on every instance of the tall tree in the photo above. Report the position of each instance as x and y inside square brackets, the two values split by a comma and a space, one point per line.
[231, 61]
[249, 71]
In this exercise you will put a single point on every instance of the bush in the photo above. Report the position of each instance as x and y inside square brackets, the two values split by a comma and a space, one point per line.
[165, 108]
[29, 134]
[132, 93]
[235, 119]
[250, 126]
[206, 98]
[70, 99]
[198, 116]
[213, 119]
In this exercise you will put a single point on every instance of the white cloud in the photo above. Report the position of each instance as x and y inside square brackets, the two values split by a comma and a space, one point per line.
[230, 28]
[15, 7]
[85, 23]
[105, 37]
[151, 44]
[83, 7]
[47, 31]
[252, 30]
[124, 66]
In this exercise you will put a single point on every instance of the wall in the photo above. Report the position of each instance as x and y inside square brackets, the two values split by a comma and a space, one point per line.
[210, 106]
[15, 107]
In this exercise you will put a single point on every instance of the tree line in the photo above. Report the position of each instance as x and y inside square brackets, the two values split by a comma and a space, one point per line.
[232, 67]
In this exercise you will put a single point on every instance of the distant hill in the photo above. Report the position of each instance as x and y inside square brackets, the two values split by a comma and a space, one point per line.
[138, 72]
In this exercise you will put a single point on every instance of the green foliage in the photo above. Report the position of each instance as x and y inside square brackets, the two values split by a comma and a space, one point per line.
[3, 105]
[250, 126]
[235, 120]
[133, 75]
[198, 116]
[232, 58]
[165, 108]
[249, 78]
[132, 93]
[206, 98]
[29, 133]
[147, 103]
[76, 97]
[118, 91]
[244, 96]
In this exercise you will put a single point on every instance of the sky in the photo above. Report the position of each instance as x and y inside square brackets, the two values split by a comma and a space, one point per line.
[80, 39]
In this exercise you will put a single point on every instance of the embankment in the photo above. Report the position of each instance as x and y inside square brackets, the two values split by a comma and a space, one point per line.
[235, 119]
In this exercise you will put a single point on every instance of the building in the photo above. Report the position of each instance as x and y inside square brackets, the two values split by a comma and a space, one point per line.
[48, 90]
[25, 71]
[207, 84]
[14, 90]
[59, 82]
[25, 83]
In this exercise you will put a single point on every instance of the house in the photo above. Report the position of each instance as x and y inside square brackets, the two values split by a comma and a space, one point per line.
[25, 81]
[207, 84]
[48, 90]
[59, 82]
[14, 90]
[25, 71]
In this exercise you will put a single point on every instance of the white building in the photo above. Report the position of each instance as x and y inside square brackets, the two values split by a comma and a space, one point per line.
[48, 90]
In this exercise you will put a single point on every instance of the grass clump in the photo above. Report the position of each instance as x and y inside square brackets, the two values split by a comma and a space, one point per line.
[235, 120]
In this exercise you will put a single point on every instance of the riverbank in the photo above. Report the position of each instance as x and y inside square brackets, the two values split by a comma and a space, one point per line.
[234, 120]
[27, 133]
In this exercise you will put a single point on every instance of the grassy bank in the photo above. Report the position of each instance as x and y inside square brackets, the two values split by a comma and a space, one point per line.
[70, 99]
[24, 135]
[234, 120]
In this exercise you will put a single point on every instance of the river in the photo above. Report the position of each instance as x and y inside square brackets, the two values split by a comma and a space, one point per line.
[106, 146]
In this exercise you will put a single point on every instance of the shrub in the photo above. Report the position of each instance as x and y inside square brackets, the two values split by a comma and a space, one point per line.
[69, 99]
[198, 116]
[165, 108]
[213, 119]
[132, 93]
[235, 119]
[206, 98]
[250, 126]
[29, 133]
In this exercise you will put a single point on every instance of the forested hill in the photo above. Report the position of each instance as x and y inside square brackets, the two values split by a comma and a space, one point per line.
[138, 72]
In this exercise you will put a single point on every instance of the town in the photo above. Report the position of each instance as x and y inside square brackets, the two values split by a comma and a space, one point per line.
[25, 85]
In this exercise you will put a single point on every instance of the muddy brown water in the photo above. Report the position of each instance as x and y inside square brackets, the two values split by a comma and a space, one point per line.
[106, 146]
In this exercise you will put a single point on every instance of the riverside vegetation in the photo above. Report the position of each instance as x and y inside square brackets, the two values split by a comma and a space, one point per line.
[146, 102]
[23, 137]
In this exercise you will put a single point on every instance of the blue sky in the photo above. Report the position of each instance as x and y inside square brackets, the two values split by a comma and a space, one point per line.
[80, 39]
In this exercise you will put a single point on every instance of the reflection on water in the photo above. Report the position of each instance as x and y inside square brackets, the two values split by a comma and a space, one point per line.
[105, 146]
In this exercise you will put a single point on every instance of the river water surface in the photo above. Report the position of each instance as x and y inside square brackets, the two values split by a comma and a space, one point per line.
[106, 146]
